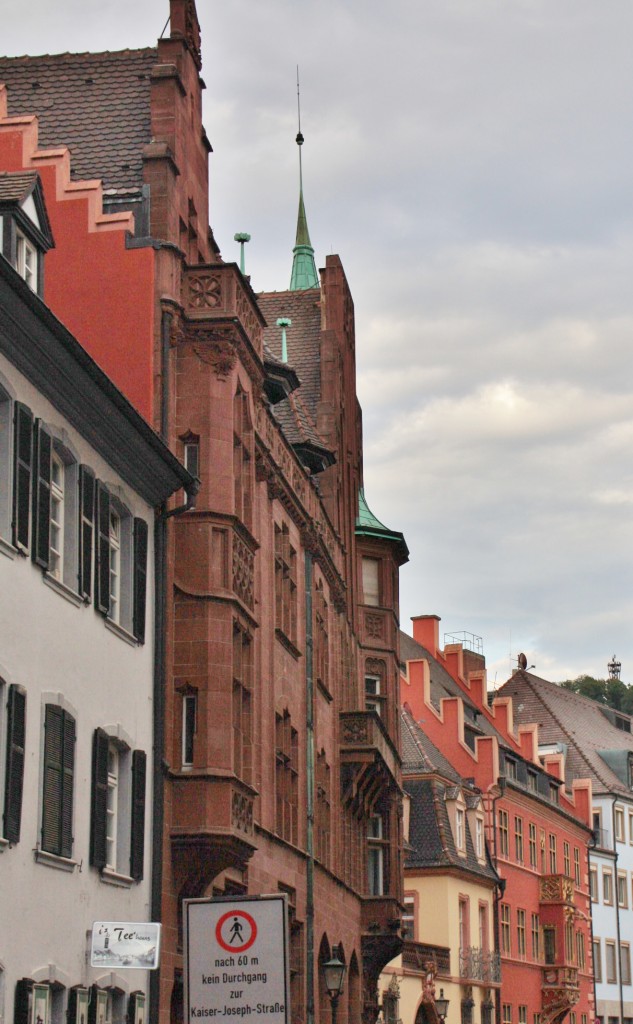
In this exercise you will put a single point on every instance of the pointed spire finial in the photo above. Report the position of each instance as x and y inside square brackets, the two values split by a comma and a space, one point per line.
[304, 273]
[242, 237]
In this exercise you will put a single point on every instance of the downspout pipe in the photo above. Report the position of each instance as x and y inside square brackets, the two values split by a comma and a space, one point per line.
[616, 900]
[309, 662]
[497, 790]
[591, 845]
[158, 723]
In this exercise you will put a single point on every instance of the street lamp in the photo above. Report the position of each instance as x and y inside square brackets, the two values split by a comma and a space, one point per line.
[441, 1005]
[334, 976]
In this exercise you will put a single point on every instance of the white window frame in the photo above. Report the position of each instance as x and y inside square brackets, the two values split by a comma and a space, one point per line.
[371, 581]
[26, 259]
[57, 525]
[373, 699]
[460, 829]
[479, 838]
[119, 803]
[376, 856]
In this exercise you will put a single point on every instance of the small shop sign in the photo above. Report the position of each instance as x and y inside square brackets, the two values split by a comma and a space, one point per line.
[125, 944]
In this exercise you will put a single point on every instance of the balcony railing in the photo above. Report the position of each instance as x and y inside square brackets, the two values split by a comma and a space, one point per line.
[479, 965]
[416, 956]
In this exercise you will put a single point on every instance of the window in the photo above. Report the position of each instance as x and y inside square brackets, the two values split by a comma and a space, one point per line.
[460, 835]
[549, 944]
[623, 894]
[619, 825]
[576, 865]
[511, 769]
[543, 854]
[286, 778]
[625, 963]
[242, 702]
[408, 917]
[375, 690]
[503, 833]
[521, 934]
[56, 555]
[322, 809]
[532, 780]
[506, 1013]
[506, 946]
[191, 457]
[12, 738]
[532, 845]
[566, 860]
[580, 950]
[242, 458]
[479, 838]
[117, 821]
[121, 544]
[593, 884]
[518, 839]
[536, 944]
[612, 975]
[285, 583]
[464, 922]
[371, 581]
[607, 886]
[321, 638]
[376, 854]
[26, 260]
[552, 854]
[58, 781]
[597, 960]
[523, 1011]
[483, 927]
[569, 942]
[487, 1010]
[189, 727]
[631, 827]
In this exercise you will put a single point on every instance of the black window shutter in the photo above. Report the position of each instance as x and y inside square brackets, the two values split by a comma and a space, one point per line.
[22, 472]
[21, 1010]
[140, 577]
[86, 530]
[14, 778]
[71, 1014]
[59, 760]
[40, 549]
[92, 1005]
[102, 550]
[68, 779]
[137, 839]
[99, 799]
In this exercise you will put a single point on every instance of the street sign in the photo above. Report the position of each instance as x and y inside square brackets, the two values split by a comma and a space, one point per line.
[236, 958]
[130, 944]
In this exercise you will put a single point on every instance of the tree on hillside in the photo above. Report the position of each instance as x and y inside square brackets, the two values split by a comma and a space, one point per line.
[613, 693]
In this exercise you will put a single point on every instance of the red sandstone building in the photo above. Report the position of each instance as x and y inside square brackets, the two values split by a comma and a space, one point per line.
[537, 829]
[277, 736]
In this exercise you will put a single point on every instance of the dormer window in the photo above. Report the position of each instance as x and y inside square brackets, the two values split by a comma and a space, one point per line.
[26, 233]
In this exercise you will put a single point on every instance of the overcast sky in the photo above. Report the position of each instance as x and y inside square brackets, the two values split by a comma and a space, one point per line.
[472, 164]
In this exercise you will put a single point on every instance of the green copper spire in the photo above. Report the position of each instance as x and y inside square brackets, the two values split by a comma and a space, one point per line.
[304, 272]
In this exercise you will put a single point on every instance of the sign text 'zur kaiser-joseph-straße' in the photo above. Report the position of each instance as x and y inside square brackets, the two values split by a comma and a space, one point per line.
[236, 962]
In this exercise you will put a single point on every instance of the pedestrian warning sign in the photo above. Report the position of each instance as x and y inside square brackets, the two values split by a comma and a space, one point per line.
[236, 962]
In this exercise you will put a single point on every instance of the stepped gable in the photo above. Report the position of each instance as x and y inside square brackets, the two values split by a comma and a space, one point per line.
[443, 685]
[568, 717]
[97, 104]
[419, 754]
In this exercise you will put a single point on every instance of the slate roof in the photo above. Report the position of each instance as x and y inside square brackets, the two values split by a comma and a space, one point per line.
[431, 842]
[298, 413]
[567, 717]
[15, 186]
[97, 104]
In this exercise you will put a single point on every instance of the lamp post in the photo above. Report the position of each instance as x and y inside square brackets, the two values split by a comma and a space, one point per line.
[334, 976]
[441, 1005]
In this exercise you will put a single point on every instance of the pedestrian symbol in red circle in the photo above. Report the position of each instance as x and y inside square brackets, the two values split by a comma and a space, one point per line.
[236, 931]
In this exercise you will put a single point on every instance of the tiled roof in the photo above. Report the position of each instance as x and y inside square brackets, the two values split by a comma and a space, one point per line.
[297, 414]
[15, 186]
[567, 717]
[97, 104]
[303, 308]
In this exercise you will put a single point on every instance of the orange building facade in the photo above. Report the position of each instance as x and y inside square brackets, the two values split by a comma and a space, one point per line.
[537, 831]
[276, 763]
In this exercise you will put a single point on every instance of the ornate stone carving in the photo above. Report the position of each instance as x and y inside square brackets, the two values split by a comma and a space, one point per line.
[242, 812]
[355, 731]
[374, 626]
[204, 291]
[243, 572]
[217, 353]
